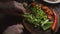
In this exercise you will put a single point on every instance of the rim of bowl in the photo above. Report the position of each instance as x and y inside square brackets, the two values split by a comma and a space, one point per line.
[52, 1]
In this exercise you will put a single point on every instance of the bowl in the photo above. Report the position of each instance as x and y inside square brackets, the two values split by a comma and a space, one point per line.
[52, 2]
[29, 27]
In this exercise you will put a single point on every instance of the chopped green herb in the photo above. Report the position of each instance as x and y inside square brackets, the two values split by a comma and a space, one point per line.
[38, 18]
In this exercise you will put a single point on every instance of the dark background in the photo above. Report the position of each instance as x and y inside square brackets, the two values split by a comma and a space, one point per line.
[8, 20]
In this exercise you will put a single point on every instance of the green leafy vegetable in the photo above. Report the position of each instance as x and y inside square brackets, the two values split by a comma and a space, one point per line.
[25, 4]
[32, 0]
[38, 18]
[47, 25]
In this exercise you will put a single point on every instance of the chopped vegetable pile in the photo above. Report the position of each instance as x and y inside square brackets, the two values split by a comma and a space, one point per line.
[38, 18]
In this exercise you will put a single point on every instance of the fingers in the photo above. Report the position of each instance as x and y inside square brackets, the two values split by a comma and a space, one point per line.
[14, 29]
[19, 6]
[20, 28]
[13, 8]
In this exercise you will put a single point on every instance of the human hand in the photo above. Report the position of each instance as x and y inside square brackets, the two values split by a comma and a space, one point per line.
[14, 29]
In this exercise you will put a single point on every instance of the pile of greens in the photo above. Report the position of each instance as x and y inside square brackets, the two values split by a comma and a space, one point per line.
[38, 18]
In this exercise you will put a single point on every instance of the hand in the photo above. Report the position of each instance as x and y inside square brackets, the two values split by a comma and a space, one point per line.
[12, 8]
[19, 8]
[14, 29]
